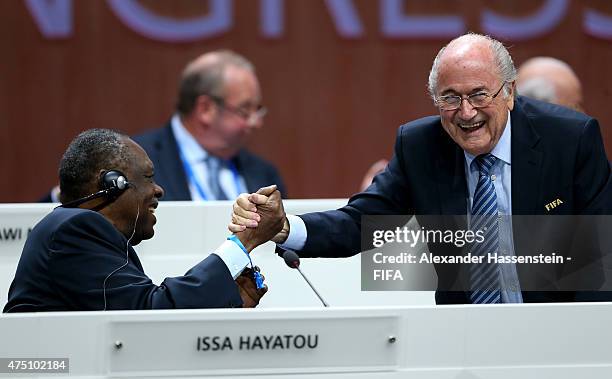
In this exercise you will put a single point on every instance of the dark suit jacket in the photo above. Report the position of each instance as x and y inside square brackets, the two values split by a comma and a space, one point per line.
[556, 154]
[69, 254]
[162, 148]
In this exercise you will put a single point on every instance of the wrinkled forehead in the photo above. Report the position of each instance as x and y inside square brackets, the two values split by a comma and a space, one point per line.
[467, 65]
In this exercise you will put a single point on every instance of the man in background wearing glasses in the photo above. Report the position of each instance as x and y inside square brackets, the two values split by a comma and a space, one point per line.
[488, 154]
[199, 154]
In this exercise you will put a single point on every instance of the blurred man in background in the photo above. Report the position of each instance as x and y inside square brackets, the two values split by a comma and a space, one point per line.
[551, 80]
[200, 154]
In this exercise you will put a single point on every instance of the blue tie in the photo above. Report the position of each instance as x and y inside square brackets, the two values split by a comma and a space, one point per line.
[213, 165]
[484, 277]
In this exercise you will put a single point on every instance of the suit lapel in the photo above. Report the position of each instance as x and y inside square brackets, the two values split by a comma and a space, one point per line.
[450, 174]
[135, 259]
[171, 166]
[526, 164]
[453, 197]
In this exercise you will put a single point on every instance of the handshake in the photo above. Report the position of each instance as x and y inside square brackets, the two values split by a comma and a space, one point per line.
[256, 219]
[259, 217]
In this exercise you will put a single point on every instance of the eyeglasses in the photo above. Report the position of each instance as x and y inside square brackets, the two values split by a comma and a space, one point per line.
[476, 100]
[248, 115]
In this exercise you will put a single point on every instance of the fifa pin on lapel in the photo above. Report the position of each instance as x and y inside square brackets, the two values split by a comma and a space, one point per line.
[553, 204]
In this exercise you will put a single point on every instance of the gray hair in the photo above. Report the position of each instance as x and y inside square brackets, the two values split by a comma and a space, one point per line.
[205, 76]
[539, 89]
[91, 151]
[503, 62]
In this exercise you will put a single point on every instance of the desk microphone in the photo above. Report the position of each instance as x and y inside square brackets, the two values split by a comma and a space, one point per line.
[293, 260]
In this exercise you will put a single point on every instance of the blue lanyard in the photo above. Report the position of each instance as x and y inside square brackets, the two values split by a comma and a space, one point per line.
[192, 179]
[256, 274]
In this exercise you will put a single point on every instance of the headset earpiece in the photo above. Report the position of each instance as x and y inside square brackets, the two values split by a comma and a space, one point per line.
[113, 182]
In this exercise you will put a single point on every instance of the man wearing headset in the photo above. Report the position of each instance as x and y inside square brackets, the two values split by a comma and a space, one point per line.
[80, 256]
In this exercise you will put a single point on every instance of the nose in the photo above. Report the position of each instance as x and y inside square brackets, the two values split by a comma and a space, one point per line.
[466, 110]
[159, 191]
[255, 121]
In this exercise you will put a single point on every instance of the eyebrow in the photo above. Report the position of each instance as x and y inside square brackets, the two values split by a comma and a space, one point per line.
[480, 89]
[249, 104]
[452, 92]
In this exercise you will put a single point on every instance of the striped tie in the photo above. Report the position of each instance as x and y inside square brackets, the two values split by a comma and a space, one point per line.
[213, 165]
[485, 277]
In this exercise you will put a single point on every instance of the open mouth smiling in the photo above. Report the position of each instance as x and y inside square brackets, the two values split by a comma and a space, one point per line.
[152, 207]
[470, 127]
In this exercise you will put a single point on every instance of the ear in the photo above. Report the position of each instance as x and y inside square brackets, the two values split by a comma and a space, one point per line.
[97, 183]
[510, 97]
[205, 109]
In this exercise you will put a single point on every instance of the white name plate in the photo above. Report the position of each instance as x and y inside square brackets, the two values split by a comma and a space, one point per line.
[16, 222]
[256, 346]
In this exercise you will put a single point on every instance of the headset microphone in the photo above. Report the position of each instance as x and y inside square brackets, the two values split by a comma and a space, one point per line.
[112, 184]
[293, 260]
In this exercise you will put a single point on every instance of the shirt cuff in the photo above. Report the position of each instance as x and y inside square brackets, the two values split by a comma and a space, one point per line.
[297, 234]
[234, 258]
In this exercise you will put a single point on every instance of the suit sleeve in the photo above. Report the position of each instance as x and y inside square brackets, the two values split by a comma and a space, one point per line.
[593, 186]
[593, 180]
[90, 267]
[337, 233]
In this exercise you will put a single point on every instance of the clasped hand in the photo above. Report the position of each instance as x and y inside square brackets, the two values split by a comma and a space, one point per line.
[259, 217]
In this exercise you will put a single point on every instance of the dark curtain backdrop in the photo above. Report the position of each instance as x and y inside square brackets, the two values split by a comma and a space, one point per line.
[335, 102]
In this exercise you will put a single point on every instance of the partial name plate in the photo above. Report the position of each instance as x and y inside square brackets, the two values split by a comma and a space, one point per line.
[16, 222]
[334, 344]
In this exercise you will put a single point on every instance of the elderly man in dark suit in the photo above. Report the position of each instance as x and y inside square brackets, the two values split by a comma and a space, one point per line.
[199, 154]
[80, 256]
[487, 154]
